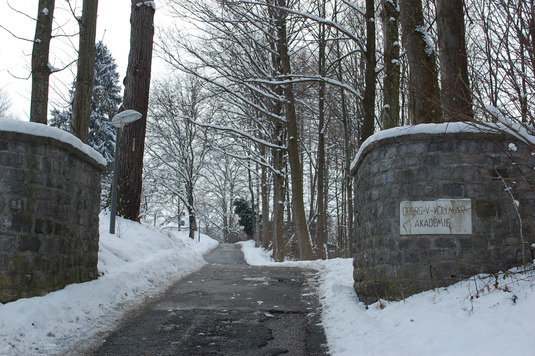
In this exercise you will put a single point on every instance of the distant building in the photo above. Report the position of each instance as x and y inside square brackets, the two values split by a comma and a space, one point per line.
[174, 226]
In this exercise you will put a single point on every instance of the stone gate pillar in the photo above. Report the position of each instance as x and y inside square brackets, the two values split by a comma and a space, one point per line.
[435, 204]
[49, 207]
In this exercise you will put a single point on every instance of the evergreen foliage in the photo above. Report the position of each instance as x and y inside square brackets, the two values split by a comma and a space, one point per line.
[243, 209]
[104, 105]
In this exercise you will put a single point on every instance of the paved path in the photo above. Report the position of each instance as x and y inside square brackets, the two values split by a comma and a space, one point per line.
[227, 308]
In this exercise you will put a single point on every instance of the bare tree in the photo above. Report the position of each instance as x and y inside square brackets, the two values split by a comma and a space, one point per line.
[424, 92]
[298, 206]
[136, 97]
[391, 81]
[456, 94]
[321, 226]
[240, 56]
[5, 103]
[176, 142]
[40, 66]
[502, 38]
[241, 62]
[370, 76]
[223, 180]
[83, 93]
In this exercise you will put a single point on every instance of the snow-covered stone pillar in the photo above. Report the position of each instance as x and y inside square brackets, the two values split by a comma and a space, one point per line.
[49, 206]
[435, 204]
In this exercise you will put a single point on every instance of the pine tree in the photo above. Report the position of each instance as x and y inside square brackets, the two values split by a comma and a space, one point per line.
[244, 210]
[104, 105]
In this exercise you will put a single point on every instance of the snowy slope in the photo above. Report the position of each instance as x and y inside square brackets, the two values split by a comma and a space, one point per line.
[136, 263]
[470, 318]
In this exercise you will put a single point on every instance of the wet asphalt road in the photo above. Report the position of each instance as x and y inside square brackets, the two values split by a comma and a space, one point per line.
[227, 308]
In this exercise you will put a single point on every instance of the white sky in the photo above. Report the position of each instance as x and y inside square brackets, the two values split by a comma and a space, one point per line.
[113, 27]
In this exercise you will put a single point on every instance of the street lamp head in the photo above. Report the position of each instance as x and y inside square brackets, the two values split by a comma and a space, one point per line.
[125, 117]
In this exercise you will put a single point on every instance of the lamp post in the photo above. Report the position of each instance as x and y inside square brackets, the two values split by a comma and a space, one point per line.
[119, 121]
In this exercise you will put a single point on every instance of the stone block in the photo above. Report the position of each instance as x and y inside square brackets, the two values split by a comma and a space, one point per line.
[445, 242]
[466, 243]
[452, 190]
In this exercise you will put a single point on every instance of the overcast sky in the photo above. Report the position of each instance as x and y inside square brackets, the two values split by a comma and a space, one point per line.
[113, 27]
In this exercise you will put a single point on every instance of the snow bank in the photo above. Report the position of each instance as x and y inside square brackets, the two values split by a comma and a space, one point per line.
[513, 129]
[433, 129]
[134, 264]
[32, 128]
[473, 317]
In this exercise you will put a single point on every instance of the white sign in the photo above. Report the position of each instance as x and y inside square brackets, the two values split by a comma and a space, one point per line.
[437, 217]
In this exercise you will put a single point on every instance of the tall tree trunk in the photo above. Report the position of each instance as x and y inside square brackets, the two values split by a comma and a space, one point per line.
[81, 106]
[225, 210]
[348, 180]
[279, 136]
[321, 238]
[279, 197]
[279, 191]
[192, 213]
[390, 17]
[136, 97]
[531, 35]
[346, 230]
[265, 201]
[253, 202]
[456, 95]
[424, 93]
[298, 206]
[40, 67]
[368, 126]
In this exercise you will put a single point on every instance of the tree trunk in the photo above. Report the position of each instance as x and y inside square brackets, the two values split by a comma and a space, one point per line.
[456, 95]
[81, 106]
[253, 202]
[348, 180]
[390, 17]
[192, 213]
[265, 201]
[225, 210]
[40, 67]
[136, 97]
[301, 227]
[277, 231]
[321, 238]
[368, 126]
[346, 230]
[424, 93]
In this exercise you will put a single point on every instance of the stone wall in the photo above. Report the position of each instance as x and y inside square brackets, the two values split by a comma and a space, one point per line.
[49, 206]
[430, 170]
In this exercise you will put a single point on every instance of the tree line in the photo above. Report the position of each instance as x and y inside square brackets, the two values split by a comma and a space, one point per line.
[136, 93]
[300, 85]
[267, 102]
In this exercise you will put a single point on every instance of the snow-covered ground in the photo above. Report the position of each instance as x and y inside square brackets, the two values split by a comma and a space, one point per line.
[140, 261]
[469, 318]
[136, 263]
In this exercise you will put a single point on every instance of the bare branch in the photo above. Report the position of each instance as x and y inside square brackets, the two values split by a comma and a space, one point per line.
[14, 35]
